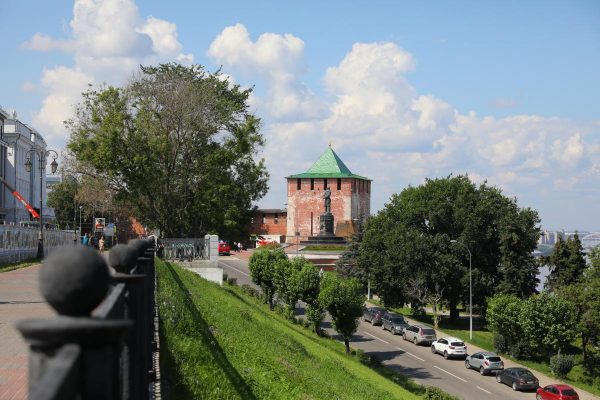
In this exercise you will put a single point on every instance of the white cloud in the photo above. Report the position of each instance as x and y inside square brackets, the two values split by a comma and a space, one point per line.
[109, 40]
[568, 152]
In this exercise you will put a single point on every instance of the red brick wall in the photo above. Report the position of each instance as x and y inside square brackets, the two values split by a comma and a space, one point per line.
[269, 227]
[350, 202]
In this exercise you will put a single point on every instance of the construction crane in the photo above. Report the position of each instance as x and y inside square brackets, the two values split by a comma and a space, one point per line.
[18, 196]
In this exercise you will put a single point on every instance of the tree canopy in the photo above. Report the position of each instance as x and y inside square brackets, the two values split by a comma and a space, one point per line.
[566, 263]
[409, 239]
[179, 144]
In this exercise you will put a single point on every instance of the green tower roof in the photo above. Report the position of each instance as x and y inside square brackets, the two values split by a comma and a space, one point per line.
[329, 165]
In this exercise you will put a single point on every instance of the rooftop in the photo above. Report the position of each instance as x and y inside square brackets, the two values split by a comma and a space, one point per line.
[329, 165]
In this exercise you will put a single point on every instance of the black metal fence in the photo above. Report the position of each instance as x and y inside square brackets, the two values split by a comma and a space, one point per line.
[184, 249]
[103, 343]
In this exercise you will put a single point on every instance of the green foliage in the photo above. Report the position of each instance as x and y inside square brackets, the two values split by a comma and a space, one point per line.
[262, 266]
[561, 364]
[503, 313]
[344, 299]
[218, 343]
[409, 240]
[62, 200]
[433, 393]
[179, 144]
[309, 287]
[566, 263]
[18, 265]
[287, 281]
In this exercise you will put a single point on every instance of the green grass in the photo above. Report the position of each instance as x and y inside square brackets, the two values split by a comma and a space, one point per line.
[19, 265]
[219, 343]
[484, 339]
[324, 248]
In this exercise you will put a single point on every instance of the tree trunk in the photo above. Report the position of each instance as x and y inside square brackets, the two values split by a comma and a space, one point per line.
[583, 348]
[347, 344]
[453, 312]
[436, 317]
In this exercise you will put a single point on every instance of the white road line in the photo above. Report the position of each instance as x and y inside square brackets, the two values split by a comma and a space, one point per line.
[229, 266]
[449, 373]
[480, 388]
[381, 340]
[411, 354]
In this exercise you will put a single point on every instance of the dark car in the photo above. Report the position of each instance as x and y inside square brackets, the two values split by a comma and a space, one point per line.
[373, 315]
[393, 322]
[518, 378]
[556, 392]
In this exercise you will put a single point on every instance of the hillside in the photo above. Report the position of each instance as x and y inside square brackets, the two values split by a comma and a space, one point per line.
[219, 343]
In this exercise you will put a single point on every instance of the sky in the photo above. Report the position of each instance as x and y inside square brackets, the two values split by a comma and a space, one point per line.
[507, 92]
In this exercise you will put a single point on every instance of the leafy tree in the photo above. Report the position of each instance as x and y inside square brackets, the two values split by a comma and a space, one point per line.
[410, 238]
[566, 263]
[262, 266]
[503, 313]
[309, 285]
[344, 300]
[62, 200]
[179, 144]
[287, 281]
[548, 322]
[348, 264]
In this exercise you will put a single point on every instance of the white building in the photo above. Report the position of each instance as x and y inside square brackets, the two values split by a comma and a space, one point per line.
[20, 139]
[3, 148]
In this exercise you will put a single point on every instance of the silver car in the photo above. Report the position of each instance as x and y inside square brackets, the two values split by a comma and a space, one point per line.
[419, 334]
[485, 362]
[394, 323]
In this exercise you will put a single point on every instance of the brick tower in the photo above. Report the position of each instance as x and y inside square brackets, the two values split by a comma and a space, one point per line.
[350, 197]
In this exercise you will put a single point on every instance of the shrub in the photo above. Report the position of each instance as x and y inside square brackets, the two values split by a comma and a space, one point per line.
[433, 393]
[500, 343]
[561, 364]
[232, 281]
[225, 276]
[250, 291]
[521, 349]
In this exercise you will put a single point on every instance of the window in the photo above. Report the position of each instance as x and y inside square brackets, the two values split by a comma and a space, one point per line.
[339, 183]
[264, 218]
[299, 184]
[312, 184]
[324, 183]
[276, 219]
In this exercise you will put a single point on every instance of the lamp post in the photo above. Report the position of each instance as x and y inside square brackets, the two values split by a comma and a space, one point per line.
[53, 166]
[470, 289]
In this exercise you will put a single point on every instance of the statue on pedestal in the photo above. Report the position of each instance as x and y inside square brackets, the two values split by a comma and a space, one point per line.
[327, 197]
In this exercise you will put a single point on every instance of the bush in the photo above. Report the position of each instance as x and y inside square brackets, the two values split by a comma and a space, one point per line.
[250, 291]
[561, 364]
[225, 276]
[433, 393]
[501, 344]
[232, 281]
[521, 349]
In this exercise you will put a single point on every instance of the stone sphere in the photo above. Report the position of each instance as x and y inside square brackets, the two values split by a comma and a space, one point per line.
[139, 245]
[122, 258]
[74, 280]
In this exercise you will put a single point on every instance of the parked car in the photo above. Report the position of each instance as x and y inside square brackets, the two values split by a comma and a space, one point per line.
[224, 249]
[556, 392]
[485, 362]
[449, 347]
[419, 334]
[393, 322]
[518, 378]
[373, 315]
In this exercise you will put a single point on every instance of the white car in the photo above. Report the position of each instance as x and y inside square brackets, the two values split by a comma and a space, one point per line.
[449, 347]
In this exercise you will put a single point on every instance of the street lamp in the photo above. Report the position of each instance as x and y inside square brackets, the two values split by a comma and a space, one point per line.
[53, 166]
[80, 208]
[470, 290]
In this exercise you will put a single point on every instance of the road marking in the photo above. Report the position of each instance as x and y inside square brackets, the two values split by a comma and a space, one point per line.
[480, 388]
[449, 373]
[381, 340]
[411, 354]
[229, 266]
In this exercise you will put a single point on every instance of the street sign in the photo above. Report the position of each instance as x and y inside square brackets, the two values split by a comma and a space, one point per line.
[99, 224]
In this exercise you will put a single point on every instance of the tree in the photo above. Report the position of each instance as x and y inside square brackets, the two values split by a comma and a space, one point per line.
[566, 263]
[309, 285]
[503, 313]
[262, 266]
[548, 322]
[62, 200]
[287, 281]
[179, 144]
[410, 237]
[344, 299]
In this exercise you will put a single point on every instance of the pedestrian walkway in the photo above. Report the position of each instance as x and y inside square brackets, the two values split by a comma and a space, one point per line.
[19, 298]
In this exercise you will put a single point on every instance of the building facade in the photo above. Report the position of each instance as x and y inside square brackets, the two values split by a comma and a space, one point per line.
[350, 197]
[3, 151]
[20, 139]
[270, 224]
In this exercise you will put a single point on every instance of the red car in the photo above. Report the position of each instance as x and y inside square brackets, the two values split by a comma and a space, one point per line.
[224, 249]
[556, 392]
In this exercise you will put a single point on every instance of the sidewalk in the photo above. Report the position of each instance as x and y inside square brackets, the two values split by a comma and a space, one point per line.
[19, 299]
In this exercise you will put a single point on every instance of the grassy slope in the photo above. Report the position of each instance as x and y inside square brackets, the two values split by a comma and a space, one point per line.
[484, 339]
[218, 343]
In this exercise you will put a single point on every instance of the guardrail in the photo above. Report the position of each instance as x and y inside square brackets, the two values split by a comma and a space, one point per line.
[184, 249]
[103, 343]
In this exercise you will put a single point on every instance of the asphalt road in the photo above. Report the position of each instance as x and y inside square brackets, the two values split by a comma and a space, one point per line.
[416, 362]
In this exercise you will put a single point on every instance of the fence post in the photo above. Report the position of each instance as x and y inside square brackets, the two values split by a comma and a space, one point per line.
[74, 281]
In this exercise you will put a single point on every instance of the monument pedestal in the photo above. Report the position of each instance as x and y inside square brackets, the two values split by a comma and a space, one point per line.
[326, 235]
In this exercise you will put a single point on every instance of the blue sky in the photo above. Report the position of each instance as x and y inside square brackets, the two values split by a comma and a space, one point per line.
[507, 91]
